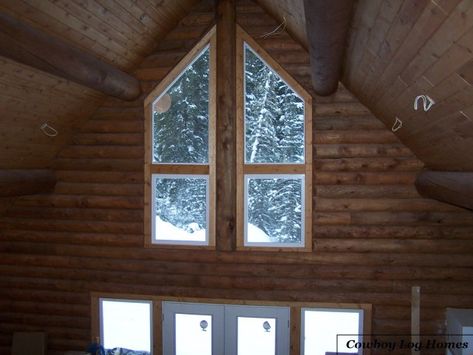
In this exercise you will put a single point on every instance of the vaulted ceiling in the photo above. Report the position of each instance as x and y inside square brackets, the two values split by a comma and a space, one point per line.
[396, 50]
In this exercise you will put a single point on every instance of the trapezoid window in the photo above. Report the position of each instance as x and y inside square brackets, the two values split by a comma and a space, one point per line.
[274, 152]
[180, 166]
[274, 115]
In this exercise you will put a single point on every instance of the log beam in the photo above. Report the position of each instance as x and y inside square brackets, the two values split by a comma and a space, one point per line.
[226, 126]
[455, 188]
[327, 24]
[32, 47]
[26, 182]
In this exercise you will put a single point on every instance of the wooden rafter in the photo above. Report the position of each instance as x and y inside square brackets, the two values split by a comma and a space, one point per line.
[327, 24]
[32, 47]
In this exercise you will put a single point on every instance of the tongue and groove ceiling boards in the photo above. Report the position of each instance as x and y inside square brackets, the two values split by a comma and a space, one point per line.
[399, 49]
[410, 48]
[118, 32]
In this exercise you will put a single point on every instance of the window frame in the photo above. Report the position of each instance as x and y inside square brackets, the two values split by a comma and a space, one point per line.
[152, 168]
[124, 300]
[225, 323]
[294, 317]
[248, 177]
[155, 241]
[361, 323]
[243, 169]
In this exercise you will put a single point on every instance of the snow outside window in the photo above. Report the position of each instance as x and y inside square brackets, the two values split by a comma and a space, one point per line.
[179, 162]
[181, 117]
[274, 116]
[180, 209]
[274, 210]
[274, 190]
[320, 327]
[126, 324]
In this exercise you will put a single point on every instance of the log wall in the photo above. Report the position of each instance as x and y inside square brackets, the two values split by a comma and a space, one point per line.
[374, 236]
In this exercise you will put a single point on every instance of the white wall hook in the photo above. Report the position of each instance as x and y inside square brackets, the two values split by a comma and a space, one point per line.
[428, 102]
[48, 130]
[397, 125]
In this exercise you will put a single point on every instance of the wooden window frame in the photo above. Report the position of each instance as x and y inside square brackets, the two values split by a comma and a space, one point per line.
[361, 324]
[96, 324]
[295, 315]
[270, 169]
[151, 168]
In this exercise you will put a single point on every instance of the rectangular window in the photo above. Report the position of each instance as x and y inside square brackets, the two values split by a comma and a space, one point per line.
[274, 206]
[274, 153]
[331, 330]
[180, 153]
[126, 324]
[148, 323]
[181, 209]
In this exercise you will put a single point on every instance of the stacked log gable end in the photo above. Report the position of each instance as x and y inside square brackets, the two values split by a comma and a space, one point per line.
[374, 236]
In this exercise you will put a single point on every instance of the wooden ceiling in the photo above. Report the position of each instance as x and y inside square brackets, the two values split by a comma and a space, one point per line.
[397, 49]
[401, 49]
[119, 32]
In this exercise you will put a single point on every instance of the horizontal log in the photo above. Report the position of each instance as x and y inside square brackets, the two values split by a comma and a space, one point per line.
[367, 122]
[361, 178]
[342, 150]
[119, 165]
[99, 189]
[90, 226]
[75, 238]
[83, 201]
[397, 232]
[455, 188]
[114, 126]
[51, 213]
[26, 182]
[366, 191]
[382, 204]
[340, 109]
[43, 263]
[111, 177]
[33, 47]
[253, 257]
[127, 139]
[382, 136]
[368, 164]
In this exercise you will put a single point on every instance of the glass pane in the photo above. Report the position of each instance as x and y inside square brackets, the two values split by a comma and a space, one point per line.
[274, 210]
[193, 334]
[274, 116]
[181, 209]
[126, 325]
[321, 329]
[256, 336]
[181, 117]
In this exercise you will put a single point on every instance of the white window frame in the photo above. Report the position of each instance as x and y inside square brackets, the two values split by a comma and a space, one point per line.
[125, 300]
[245, 218]
[154, 177]
[361, 320]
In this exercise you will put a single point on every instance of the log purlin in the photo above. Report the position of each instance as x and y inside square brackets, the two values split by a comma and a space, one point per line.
[374, 236]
